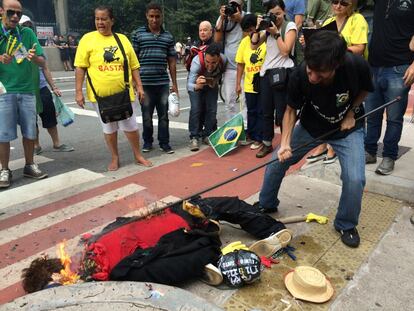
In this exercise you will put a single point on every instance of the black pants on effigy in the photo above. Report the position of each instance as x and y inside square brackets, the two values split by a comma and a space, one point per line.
[236, 211]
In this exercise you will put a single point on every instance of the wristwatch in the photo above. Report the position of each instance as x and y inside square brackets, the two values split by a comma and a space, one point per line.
[356, 109]
[277, 35]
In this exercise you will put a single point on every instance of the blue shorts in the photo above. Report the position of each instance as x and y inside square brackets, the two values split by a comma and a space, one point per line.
[17, 109]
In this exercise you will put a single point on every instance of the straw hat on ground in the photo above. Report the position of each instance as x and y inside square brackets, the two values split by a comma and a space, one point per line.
[310, 284]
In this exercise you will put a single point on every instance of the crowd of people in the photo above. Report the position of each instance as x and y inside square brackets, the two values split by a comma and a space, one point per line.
[257, 57]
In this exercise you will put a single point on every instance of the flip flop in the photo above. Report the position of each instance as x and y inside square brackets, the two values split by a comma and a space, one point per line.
[267, 247]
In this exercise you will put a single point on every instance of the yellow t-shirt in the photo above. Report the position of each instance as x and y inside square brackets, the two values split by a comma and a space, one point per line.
[252, 60]
[103, 59]
[355, 31]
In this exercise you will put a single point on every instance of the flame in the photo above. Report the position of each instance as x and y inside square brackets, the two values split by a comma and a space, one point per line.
[67, 276]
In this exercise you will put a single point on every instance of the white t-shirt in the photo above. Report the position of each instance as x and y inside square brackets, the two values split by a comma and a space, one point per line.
[233, 39]
[178, 47]
[273, 57]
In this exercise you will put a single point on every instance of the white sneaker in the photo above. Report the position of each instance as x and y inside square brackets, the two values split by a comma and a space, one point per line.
[194, 144]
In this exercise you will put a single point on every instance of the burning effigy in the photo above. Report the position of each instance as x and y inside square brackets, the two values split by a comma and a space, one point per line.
[162, 245]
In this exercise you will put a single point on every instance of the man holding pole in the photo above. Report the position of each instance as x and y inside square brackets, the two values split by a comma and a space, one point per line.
[328, 88]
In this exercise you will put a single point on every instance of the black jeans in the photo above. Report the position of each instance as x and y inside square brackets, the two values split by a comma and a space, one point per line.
[236, 211]
[273, 105]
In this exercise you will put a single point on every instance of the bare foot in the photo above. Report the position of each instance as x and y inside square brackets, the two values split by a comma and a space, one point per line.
[144, 162]
[114, 165]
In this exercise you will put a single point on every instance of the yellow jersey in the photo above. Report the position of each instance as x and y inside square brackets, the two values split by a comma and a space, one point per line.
[103, 59]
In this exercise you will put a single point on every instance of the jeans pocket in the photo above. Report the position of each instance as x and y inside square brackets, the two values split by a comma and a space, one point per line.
[401, 69]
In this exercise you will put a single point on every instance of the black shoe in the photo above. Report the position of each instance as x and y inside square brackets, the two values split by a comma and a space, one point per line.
[350, 237]
[263, 210]
[264, 151]
[166, 148]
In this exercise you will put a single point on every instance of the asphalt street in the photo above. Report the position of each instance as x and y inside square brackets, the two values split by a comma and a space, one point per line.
[86, 136]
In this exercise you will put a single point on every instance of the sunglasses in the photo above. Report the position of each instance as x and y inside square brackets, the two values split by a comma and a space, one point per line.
[11, 13]
[343, 3]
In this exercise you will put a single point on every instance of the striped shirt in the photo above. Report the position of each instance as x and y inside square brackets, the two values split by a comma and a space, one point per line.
[153, 51]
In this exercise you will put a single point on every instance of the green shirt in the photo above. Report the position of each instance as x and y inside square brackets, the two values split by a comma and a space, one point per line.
[319, 9]
[18, 78]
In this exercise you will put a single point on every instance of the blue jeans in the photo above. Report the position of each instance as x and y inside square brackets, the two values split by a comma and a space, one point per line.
[388, 85]
[203, 102]
[17, 109]
[350, 151]
[253, 124]
[156, 96]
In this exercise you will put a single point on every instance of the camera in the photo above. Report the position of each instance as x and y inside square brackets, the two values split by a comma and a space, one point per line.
[267, 20]
[231, 9]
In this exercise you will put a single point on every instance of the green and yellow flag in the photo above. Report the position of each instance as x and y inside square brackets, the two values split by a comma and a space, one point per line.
[225, 139]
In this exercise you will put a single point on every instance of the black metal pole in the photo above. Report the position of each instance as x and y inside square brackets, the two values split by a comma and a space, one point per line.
[271, 161]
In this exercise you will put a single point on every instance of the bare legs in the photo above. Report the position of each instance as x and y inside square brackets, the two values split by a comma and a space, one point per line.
[53, 132]
[112, 143]
[4, 155]
[133, 139]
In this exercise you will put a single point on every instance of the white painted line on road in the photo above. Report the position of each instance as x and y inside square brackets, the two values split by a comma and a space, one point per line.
[70, 90]
[68, 212]
[91, 113]
[20, 163]
[46, 186]
[11, 274]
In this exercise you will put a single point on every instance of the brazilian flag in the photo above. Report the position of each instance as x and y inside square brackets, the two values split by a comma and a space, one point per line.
[225, 139]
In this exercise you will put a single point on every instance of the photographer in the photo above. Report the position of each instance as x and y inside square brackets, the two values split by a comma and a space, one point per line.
[280, 37]
[229, 32]
[202, 85]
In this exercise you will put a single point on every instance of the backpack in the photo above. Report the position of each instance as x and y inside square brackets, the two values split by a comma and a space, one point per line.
[194, 50]
[298, 55]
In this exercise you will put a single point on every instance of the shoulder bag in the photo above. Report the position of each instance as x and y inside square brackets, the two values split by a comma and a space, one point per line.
[118, 106]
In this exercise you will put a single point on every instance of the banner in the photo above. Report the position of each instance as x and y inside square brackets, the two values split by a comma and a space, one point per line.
[225, 139]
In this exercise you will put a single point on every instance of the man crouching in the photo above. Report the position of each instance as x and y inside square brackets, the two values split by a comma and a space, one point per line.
[328, 89]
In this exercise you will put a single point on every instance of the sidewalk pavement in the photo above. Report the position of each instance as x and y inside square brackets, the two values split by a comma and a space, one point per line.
[377, 275]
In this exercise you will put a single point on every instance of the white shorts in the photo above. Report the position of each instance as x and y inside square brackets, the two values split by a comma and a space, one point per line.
[127, 125]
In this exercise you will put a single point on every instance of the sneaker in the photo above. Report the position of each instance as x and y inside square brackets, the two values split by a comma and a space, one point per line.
[63, 148]
[166, 148]
[212, 275]
[206, 141]
[194, 144]
[264, 210]
[267, 247]
[386, 166]
[316, 157]
[33, 171]
[256, 145]
[370, 159]
[350, 237]
[147, 147]
[246, 142]
[329, 160]
[37, 150]
[264, 151]
[5, 178]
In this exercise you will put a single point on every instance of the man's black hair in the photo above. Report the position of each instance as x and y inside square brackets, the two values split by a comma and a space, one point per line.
[249, 20]
[325, 51]
[106, 8]
[214, 49]
[274, 3]
[153, 6]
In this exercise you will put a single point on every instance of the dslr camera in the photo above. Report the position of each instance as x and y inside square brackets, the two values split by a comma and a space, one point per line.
[267, 20]
[231, 9]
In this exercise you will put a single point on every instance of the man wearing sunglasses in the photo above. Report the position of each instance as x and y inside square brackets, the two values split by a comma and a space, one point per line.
[20, 56]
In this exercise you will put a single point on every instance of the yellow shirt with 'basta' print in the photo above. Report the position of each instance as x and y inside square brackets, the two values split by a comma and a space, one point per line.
[252, 60]
[103, 59]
